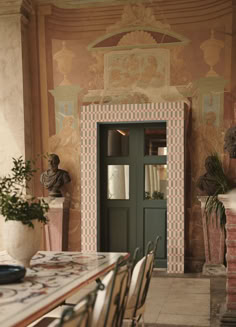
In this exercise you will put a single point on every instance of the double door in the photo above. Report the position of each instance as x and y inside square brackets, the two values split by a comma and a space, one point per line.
[132, 183]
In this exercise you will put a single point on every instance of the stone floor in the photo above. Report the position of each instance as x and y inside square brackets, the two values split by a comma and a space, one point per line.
[178, 300]
[192, 300]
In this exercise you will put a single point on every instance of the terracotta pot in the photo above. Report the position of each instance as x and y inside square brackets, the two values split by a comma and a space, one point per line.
[21, 241]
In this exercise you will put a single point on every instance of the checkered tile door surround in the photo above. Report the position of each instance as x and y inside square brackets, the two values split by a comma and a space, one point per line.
[173, 114]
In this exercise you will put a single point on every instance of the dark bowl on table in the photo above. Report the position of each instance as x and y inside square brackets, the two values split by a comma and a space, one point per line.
[11, 273]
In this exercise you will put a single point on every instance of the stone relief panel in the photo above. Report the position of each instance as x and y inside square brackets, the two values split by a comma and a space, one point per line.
[137, 68]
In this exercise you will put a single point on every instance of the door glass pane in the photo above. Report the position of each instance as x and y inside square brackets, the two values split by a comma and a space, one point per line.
[155, 182]
[117, 142]
[118, 182]
[155, 141]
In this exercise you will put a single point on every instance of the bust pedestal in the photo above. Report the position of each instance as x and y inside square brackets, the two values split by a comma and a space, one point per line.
[214, 243]
[229, 317]
[56, 231]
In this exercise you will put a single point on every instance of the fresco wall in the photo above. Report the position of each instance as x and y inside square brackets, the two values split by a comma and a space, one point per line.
[110, 52]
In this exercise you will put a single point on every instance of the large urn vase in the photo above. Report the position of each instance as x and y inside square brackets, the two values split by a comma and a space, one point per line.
[21, 241]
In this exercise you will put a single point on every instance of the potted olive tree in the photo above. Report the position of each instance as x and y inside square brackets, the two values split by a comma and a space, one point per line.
[211, 184]
[24, 214]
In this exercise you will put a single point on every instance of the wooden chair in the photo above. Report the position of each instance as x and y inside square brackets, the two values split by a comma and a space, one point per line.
[111, 302]
[139, 285]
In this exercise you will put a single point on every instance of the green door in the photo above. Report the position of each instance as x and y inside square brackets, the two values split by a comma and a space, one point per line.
[132, 187]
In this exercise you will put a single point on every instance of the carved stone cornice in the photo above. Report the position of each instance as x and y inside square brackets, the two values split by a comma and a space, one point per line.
[12, 7]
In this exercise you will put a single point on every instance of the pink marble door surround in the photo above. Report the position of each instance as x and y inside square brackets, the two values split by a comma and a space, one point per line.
[174, 114]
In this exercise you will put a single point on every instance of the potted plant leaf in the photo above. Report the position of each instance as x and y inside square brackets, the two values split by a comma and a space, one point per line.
[24, 214]
[215, 171]
[211, 184]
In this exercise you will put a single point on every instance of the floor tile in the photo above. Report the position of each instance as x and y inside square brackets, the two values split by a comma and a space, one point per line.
[158, 300]
[186, 320]
[187, 305]
[161, 283]
[191, 285]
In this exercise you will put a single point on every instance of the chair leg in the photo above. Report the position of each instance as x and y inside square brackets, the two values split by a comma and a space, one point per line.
[139, 320]
[135, 322]
[143, 324]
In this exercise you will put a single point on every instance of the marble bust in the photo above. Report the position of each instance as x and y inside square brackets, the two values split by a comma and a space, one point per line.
[54, 178]
[207, 183]
[230, 142]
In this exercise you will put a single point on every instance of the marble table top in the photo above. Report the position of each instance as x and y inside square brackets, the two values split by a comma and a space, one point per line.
[52, 278]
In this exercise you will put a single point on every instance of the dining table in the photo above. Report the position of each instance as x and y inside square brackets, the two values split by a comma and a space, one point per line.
[52, 278]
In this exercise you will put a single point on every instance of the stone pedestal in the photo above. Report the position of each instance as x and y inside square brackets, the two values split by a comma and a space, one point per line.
[229, 317]
[214, 243]
[56, 231]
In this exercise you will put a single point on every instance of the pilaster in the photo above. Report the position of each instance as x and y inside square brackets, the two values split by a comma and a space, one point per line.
[15, 92]
[42, 12]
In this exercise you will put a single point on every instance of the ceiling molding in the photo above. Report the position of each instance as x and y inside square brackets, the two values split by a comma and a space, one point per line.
[73, 4]
[12, 7]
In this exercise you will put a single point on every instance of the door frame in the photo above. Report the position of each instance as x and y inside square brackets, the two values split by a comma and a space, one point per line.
[175, 114]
